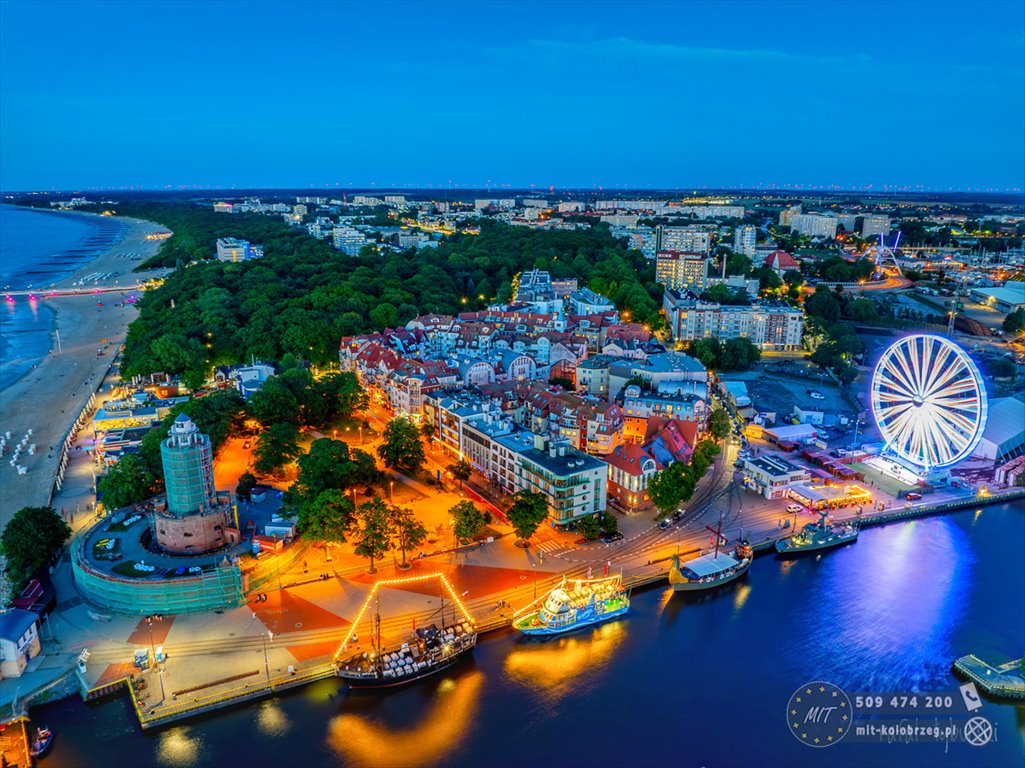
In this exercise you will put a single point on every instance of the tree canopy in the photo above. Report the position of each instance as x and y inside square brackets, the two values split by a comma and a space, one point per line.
[527, 512]
[29, 540]
[401, 448]
[468, 520]
[303, 296]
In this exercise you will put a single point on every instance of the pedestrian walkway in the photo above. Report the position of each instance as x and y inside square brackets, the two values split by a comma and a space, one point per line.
[553, 547]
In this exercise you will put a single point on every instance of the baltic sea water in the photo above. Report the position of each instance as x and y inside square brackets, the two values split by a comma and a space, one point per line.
[37, 248]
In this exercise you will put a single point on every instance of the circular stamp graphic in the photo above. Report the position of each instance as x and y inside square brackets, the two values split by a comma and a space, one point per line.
[819, 714]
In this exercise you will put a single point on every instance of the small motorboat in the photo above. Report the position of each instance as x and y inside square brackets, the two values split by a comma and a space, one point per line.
[41, 743]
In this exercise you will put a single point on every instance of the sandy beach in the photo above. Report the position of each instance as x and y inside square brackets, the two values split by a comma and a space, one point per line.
[48, 398]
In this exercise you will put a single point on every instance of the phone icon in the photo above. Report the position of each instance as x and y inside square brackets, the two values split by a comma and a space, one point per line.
[970, 694]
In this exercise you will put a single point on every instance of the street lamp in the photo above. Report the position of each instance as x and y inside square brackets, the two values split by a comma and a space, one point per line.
[391, 489]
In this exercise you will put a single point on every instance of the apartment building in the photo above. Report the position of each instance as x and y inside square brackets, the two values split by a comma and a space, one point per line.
[769, 326]
[744, 239]
[682, 270]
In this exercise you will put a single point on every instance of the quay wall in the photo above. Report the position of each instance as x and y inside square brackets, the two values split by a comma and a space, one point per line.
[218, 588]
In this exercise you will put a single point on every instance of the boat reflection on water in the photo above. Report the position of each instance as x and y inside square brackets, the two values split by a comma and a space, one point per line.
[365, 742]
[179, 747]
[272, 720]
[553, 666]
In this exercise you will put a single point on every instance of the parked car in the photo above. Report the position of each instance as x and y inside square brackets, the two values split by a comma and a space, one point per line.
[912, 496]
[664, 523]
[816, 395]
[793, 509]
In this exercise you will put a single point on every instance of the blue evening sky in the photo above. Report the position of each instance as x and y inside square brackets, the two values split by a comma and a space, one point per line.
[675, 95]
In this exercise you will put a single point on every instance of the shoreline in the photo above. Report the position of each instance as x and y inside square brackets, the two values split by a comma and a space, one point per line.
[49, 396]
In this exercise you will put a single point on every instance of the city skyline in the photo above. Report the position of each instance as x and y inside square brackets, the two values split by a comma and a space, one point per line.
[759, 96]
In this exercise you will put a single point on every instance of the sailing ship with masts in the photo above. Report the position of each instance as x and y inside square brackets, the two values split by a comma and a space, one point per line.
[713, 569]
[427, 650]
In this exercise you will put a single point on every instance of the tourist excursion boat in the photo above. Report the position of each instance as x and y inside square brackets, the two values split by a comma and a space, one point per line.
[427, 650]
[711, 570]
[574, 604]
[42, 741]
[815, 536]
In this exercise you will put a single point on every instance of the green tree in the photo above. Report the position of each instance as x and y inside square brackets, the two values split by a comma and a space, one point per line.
[719, 423]
[327, 517]
[372, 530]
[274, 403]
[667, 488]
[127, 482]
[527, 512]
[1015, 321]
[468, 521]
[461, 471]
[408, 531]
[246, 484]
[823, 305]
[343, 393]
[608, 521]
[589, 527]
[276, 447]
[29, 540]
[401, 448]
[325, 466]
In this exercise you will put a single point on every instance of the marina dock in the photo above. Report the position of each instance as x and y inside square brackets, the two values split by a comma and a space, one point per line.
[1004, 681]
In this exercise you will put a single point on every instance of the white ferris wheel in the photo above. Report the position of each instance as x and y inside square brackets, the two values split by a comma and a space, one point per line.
[929, 401]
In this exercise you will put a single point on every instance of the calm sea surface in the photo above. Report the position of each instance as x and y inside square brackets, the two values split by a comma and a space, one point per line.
[36, 249]
[678, 682]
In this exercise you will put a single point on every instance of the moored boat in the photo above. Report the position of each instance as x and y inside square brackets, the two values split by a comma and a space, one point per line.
[816, 536]
[708, 571]
[713, 569]
[574, 604]
[42, 741]
[427, 650]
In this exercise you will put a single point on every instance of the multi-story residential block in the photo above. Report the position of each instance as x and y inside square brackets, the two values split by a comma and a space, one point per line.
[348, 240]
[591, 424]
[786, 216]
[571, 206]
[814, 225]
[586, 302]
[686, 239]
[769, 326]
[231, 249]
[875, 225]
[511, 459]
[744, 239]
[224, 208]
[686, 403]
[682, 270]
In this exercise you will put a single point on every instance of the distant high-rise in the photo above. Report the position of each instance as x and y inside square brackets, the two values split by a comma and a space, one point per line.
[682, 270]
[875, 225]
[744, 240]
[194, 520]
[689, 239]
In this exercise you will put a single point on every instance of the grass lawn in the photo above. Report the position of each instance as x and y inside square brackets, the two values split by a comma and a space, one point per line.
[126, 569]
